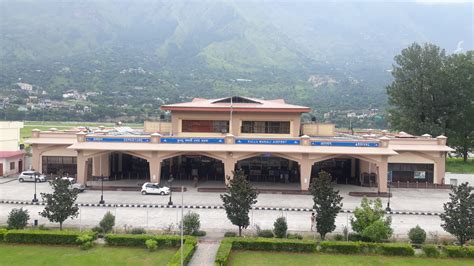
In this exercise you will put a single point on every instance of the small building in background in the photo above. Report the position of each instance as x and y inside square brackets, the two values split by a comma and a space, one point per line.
[11, 156]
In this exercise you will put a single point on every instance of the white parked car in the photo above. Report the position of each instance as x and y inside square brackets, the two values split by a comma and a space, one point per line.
[29, 176]
[155, 188]
[74, 186]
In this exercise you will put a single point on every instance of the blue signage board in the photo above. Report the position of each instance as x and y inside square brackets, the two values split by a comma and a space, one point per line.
[192, 140]
[268, 141]
[108, 139]
[346, 144]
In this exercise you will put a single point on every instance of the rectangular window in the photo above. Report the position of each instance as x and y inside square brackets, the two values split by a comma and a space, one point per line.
[266, 127]
[59, 165]
[411, 172]
[12, 166]
[213, 126]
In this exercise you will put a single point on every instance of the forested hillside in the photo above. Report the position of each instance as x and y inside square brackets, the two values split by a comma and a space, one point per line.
[132, 56]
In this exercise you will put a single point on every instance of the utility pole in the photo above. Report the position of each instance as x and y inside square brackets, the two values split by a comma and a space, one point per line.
[182, 229]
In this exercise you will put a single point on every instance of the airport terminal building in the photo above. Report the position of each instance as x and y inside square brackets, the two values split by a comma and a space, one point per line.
[207, 139]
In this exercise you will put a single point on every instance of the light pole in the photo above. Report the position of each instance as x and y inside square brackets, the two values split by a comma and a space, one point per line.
[34, 197]
[389, 195]
[170, 181]
[102, 190]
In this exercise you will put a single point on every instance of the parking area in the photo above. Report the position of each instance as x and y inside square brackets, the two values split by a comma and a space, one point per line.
[403, 199]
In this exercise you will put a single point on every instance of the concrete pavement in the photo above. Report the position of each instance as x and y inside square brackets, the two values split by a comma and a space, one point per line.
[403, 199]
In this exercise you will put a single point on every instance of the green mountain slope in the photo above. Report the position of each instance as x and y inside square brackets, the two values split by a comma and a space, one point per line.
[328, 55]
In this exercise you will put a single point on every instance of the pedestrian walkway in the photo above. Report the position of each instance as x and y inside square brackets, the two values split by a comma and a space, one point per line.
[206, 250]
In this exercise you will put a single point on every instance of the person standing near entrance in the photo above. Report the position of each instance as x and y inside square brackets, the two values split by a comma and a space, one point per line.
[313, 221]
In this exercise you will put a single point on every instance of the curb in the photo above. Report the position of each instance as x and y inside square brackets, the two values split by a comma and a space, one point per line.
[215, 207]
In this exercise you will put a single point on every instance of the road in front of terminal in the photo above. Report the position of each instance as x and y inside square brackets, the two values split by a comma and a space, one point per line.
[418, 200]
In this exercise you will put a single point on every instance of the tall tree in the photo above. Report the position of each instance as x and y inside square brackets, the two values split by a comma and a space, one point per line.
[458, 216]
[459, 73]
[239, 199]
[327, 203]
[60, 204]
[419, 99]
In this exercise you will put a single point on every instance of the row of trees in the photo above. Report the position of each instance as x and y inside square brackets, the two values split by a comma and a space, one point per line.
[434, 93]
[368, 221]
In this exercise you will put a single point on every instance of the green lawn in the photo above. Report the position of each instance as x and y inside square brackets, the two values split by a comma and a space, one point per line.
[99, 255]
[245, 258]
[457, 165]
[25, 132]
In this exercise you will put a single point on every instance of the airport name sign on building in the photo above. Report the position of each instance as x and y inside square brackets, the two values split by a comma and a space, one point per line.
[268, 141]
[346, 144]
[192, 140]
[107, 139]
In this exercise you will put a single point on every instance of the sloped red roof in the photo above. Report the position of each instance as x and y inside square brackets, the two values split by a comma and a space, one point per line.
[10, 154]
[239, 104]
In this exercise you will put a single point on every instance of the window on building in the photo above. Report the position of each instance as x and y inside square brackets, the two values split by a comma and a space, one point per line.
[215, 126]
[59, 165]
[411, 172]
[266, 127]
[12, 165]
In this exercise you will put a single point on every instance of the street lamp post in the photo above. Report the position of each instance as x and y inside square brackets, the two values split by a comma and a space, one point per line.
[389, 195]
[102, 190]
[170, 181]
[34, 197]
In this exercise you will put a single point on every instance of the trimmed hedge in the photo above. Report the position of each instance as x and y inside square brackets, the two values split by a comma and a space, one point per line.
[189, 248]
[223, 252]
[396, 249]
[459, 252]
[272, 244]
[431, 250]
[42, 237]
[2, 234]
[341, 247]
[388, 249]
[139, 240]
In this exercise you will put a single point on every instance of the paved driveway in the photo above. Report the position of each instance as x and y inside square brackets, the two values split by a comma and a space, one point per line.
[426, 200]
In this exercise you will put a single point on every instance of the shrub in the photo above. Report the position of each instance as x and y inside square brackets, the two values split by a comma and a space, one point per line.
[42, 237]
[138, 231]
[230, 234]
[107, 223]
[274, 244]
[369, 220]
[356, 237]
[151, 244]
[279, 227]
[189, 248]
[338, 237]
[341, 247]
[85, 241]
[266, 233]
[191, 223]
[2, 234]
[139, 240]
[199, 233]
[294, 236]
[18, 219]
[223, 253]
[459, 251]
[377, 231]
[417, 235]
[127, 240]
[396, 249]
[431, 250]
